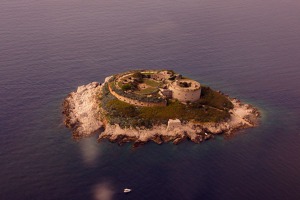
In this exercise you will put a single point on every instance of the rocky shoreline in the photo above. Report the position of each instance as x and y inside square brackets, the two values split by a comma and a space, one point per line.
[82, 115]
[81, 110]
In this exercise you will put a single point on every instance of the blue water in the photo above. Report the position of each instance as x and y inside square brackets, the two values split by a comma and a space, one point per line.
[249, 49]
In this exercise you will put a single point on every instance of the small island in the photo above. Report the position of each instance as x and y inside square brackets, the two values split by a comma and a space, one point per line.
[154, 105]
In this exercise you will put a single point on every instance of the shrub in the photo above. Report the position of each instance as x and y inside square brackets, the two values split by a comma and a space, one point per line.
[212, 98]
[138, 76]
[126, 87]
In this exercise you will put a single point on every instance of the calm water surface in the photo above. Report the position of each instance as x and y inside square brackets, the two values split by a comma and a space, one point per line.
[249, 49]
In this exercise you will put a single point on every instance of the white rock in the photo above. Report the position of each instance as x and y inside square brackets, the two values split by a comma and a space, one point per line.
[173, 123]
[84, 108]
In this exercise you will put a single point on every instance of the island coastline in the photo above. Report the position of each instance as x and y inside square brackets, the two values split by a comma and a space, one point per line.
[84, 116]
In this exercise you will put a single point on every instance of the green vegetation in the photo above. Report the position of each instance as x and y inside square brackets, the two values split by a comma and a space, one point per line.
[181, 111]
[126, 87]
[151, 83]
[154, 98]
[134, 80]
[140, 95]
[138, 77]
[146, 91]
[151, 87]
[212, 107]
[214, 99]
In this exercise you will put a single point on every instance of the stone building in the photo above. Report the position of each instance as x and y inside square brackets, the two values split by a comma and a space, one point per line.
[173, 124]
[185, 90]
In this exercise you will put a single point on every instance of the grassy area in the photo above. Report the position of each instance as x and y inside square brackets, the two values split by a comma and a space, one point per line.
[146, 91]
[151, 86]
[151, 83]
[120, 84]
[212, 107]
[182, 112]
[212, 98]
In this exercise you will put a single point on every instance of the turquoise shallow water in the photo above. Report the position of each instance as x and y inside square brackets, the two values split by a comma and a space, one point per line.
[247, 49]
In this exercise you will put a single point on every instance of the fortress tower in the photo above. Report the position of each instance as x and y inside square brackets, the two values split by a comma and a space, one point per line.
[185, 90]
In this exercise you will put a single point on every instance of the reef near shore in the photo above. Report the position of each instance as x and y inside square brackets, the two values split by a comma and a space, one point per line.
[82, 114]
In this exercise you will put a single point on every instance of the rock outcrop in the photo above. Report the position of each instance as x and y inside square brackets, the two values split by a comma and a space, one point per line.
[81, 110]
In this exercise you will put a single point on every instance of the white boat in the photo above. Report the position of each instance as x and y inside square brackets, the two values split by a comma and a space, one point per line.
[127, 190]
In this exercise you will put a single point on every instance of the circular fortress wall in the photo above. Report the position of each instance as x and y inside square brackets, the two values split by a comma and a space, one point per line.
[185, 90]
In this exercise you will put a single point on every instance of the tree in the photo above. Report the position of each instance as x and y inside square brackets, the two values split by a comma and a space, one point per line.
[126, 87]
[138, 76]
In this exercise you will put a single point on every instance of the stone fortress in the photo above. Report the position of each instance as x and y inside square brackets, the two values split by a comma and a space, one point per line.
[185, 90]
[153, 87]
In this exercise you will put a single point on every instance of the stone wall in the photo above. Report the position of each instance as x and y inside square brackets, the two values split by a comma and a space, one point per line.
[136, 102]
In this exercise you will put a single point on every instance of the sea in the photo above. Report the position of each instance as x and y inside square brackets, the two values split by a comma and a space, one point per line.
[248, 49]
